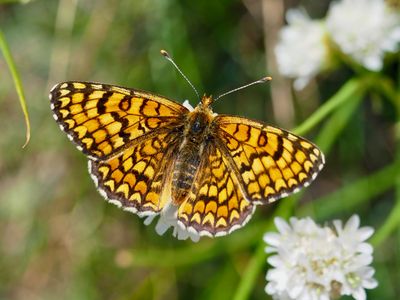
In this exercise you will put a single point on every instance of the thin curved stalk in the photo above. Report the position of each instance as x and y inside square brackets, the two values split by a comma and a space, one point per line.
[18, 84]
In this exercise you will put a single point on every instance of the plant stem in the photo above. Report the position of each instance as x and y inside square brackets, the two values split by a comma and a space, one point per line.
[349, 90]
[18, 84]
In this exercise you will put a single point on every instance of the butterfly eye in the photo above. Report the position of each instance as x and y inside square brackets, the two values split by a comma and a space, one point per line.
[198, 123]
[197, 127]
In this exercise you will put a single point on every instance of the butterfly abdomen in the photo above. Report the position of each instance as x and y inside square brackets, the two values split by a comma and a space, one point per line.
[185, 170]
[190, 153]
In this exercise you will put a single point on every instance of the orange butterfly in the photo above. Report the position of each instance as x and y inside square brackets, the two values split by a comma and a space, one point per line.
[149, 154]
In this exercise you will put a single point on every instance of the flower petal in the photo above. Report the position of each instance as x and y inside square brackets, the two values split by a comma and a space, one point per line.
[309, 259]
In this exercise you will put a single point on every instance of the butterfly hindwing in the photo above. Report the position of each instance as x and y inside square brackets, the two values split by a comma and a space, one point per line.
[137, 179]
[216, 204]
[270, 163]
[103, 120]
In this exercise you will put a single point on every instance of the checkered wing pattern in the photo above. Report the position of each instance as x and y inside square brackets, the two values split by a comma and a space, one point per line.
[216, 204]
[269, 162]
[138, 179]
[104, 120]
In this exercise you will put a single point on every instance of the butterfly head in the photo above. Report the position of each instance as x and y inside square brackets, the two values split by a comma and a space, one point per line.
[206, 101]
[199, 120]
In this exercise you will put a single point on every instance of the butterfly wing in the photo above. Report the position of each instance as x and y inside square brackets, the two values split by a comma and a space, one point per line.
[103, 120]
[216, 205]
[269, 162]
[138, 179]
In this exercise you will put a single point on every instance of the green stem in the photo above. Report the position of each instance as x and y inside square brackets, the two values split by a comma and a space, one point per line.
[257, 261]
[351, 88]
[386, 87]
[336, 123]
[253, 268]
[393, 221]
[358, 192]
[17, 82]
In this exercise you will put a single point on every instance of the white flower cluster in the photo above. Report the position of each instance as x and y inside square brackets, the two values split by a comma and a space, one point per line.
[319, 263]
[301, 52]
[364, 30]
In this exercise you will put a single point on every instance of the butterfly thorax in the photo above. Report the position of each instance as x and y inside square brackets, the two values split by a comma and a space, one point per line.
[196, 135]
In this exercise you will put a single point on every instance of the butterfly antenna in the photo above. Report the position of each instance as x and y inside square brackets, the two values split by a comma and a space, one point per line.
[168, 57]
[264, 79]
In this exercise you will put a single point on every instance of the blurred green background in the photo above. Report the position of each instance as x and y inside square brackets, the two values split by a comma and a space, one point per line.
[60, 240]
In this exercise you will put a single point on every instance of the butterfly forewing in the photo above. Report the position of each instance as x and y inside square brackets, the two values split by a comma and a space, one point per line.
[103, 120]
[269, 162]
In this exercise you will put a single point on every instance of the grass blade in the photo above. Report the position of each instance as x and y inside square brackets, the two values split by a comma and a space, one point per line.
[18, 84]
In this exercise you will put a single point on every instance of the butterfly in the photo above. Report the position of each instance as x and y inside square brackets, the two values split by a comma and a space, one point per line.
[148, 153]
